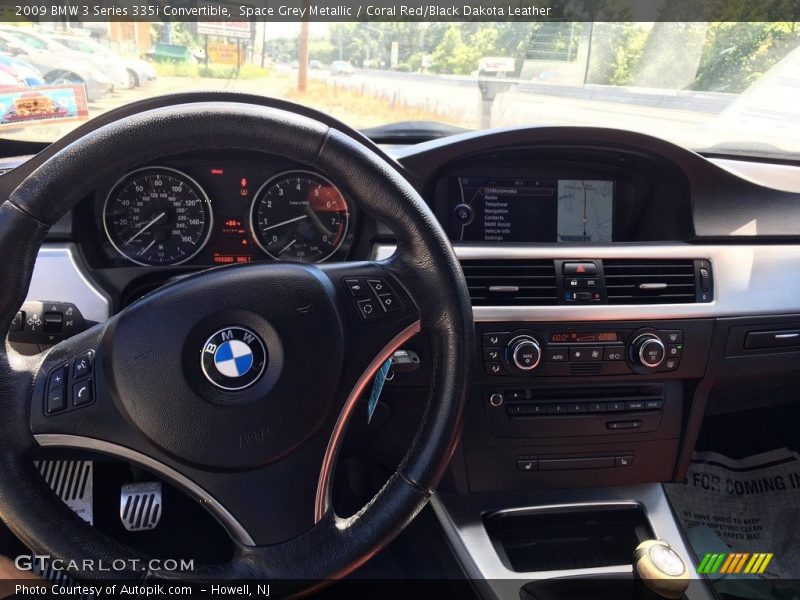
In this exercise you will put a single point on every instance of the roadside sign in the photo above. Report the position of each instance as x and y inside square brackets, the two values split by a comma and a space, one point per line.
[223, 54]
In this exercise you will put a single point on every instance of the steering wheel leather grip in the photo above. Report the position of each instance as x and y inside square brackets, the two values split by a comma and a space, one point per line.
[424, 273]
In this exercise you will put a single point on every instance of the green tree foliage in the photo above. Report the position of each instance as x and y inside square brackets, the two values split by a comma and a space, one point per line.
[737, 54]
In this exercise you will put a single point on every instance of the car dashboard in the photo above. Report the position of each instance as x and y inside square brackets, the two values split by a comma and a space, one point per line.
[618, 282]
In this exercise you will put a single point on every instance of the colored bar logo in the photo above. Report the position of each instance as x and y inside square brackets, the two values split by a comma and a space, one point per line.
[736, 562]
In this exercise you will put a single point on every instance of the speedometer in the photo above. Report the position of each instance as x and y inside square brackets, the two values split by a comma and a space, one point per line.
[157, 216]
[299, 216]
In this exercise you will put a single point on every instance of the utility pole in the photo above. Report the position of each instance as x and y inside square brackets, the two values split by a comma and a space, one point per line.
[302, 57]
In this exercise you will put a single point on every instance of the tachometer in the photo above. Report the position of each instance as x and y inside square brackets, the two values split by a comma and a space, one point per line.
[299, 216]
[157, 216]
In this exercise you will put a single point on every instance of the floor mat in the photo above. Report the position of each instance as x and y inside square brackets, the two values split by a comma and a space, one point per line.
[744, 506]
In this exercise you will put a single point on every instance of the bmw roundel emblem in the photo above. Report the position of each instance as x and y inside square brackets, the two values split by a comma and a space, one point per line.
[233, 358]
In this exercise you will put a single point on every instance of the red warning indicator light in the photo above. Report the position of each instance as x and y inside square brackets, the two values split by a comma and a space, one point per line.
[217, 172]
[244, 182]
[580, 269]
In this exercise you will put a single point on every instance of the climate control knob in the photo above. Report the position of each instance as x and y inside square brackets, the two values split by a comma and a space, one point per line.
[647, 350]
[524, 353]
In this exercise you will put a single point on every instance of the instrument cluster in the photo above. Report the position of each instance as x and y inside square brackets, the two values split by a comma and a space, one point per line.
[211, 212]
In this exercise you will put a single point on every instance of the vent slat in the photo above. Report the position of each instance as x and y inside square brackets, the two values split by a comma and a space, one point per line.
[535, 280]
[623, 278]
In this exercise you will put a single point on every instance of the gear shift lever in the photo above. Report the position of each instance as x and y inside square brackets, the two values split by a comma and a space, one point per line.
[660, 569]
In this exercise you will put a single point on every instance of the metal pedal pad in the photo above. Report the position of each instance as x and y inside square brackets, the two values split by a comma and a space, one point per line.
[73, 482]
[140, 505]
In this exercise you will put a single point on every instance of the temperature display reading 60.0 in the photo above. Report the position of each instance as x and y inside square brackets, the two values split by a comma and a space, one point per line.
[577, 337]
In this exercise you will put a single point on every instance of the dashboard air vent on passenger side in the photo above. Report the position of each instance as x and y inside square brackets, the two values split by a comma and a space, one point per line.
[667, 281]
[511, 282]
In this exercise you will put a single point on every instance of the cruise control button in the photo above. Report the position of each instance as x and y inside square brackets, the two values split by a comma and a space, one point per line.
[53, 322]
[580, 268]
[82, 393]
[83, 366]
[56, 399]
[18, 321]
[356, 287]
[368, 309]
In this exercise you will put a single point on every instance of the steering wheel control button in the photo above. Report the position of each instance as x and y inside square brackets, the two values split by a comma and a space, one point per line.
[53, 322]
[356, 287]
[378, 286]
[389, 303]
[580, 269]
[18, 321]
[374, 299]
[233, 358]
[46, 323]
[82, 366]
[82, 393]
[368, 309]
[56, 399]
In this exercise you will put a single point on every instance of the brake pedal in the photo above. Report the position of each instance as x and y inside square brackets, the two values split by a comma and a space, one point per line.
[73, 482]
[140, 505]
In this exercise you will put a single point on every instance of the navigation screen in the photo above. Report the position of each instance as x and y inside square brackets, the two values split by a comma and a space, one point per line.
[531, 210]
[585, 210]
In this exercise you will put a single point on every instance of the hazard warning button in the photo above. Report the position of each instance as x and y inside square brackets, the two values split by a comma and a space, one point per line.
[580, 268]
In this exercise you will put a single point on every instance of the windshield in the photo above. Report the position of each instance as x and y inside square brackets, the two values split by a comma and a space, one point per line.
[724, 87]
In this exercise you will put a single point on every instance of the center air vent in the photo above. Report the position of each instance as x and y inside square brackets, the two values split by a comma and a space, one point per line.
[631, 281]
[511, 282]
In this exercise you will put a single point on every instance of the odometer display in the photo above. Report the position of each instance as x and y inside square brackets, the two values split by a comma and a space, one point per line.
[157, 216]
[299, 216]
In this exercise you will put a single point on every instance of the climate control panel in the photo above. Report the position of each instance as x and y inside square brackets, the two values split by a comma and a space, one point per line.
[584, 350]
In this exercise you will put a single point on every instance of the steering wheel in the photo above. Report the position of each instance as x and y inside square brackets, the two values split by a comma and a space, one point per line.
[256, 444]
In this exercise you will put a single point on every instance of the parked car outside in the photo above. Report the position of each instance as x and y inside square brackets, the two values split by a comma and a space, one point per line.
[56, 68]
[25, 73]
[139, 72]
[116, 72]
